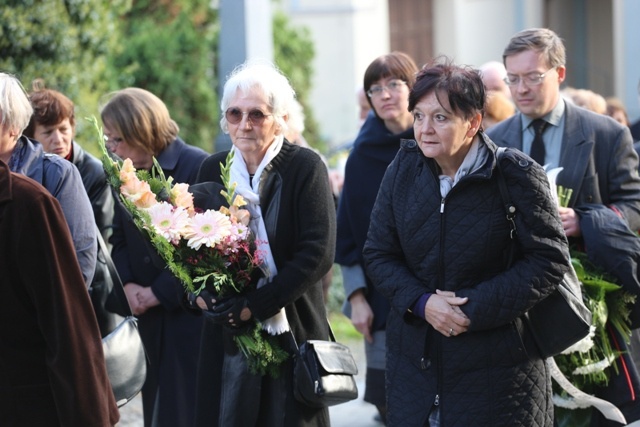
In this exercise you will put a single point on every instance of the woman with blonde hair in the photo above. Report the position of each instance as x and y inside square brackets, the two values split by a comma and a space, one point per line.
[137, 125]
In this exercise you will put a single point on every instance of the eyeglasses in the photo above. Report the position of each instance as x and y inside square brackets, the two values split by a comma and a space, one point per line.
[392, 86]
[255, 116]
[531, 79]
[112, 143]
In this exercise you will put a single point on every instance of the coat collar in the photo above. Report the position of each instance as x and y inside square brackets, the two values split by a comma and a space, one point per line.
[5, 183]
[168, 158]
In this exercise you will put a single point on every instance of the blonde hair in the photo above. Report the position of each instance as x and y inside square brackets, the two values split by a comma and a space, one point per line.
[141, 118]
[497, 108]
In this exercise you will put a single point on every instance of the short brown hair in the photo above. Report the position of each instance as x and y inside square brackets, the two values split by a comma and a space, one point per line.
[541, 40]
[141, 118]
[50, 107]
[398, 65]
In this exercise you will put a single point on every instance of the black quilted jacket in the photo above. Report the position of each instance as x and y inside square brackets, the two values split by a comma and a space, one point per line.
[419, 242]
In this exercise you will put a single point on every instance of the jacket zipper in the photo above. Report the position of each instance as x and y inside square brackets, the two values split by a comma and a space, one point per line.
[438, 353]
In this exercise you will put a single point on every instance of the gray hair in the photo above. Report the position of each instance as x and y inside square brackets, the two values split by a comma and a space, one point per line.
[264, 77]
[15, 108]
[541, 40]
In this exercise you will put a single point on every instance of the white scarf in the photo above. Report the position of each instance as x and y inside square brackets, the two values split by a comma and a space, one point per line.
[250, 190]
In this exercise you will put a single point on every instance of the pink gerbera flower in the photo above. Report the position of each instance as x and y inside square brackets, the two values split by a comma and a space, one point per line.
[208, 228]
[168, 221]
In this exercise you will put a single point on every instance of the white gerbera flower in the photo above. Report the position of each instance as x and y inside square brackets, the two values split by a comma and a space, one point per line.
[208, 228]
[168, 221]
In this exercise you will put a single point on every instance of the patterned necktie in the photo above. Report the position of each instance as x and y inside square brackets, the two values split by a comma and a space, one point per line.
[538, 152]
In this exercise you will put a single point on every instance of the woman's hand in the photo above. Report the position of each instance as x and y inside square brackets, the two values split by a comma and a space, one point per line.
[443, 312]
[131, 290]
[146, 300]
[361, 314]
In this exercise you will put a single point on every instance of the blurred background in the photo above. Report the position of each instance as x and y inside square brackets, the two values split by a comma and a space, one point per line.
[182, 50]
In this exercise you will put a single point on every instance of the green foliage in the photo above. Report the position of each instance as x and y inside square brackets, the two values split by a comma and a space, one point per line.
[169, 51]
[64, 42]
[88, 48]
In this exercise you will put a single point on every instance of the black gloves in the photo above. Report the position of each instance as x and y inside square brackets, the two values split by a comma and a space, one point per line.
[227, 311]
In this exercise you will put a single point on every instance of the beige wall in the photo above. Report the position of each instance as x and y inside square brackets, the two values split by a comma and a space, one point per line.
[348, 35]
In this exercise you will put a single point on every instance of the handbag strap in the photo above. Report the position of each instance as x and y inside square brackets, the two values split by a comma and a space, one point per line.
[509, 207]
[331, 335]
[118, 288]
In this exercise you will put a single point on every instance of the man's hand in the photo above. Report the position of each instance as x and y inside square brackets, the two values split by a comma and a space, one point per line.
[570, 222]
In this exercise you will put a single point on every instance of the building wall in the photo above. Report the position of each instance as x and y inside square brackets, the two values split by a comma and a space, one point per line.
[348, 35]
[411, 28]
[602, 39]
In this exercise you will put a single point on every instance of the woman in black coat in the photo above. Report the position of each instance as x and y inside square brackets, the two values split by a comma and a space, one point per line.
[387, 82]
[458, 353]
[138, 126]
[293, 216]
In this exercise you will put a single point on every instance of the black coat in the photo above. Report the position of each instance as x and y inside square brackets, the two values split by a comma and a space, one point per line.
[98, 189]
[297, 206]
[419, 242]
[373, 150]
[171, 335]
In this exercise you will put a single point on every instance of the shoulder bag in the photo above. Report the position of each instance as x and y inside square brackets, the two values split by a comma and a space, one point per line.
[561, 319]
[323, 373]
[124, 353]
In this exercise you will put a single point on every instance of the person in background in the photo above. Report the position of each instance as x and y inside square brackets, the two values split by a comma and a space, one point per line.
[458, 351]
[293, 216]
[387, 82]
[599, 165]
[493, 74]
[61, 178]
[364, 108]
[52, 370]
[295, 125]
[586, 98]
[617, 111]
[53, 125]
[498, 108]
[635, 126]
[137, 125]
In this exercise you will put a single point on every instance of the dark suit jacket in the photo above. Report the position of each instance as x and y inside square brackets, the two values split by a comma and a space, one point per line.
[599, 161]
[52, 370]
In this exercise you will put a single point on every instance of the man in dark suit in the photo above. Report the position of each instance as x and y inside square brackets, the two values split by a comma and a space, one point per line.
[599, 165]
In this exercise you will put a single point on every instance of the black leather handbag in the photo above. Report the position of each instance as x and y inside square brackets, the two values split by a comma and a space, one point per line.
[561, 319]
[323, 373]
[124, 353]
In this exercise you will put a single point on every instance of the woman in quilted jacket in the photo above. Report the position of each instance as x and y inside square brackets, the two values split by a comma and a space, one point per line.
[458, 353]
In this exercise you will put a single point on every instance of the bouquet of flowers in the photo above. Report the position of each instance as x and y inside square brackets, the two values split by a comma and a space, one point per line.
[211, 249]
[588, 363]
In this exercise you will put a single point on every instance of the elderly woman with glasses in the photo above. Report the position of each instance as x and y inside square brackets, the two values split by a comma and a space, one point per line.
[458, 350]
[293, 215]
[387, 82]
[137, 125]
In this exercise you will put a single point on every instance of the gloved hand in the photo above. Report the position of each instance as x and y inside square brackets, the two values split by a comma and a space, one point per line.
[227, 312]
[206, 297]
